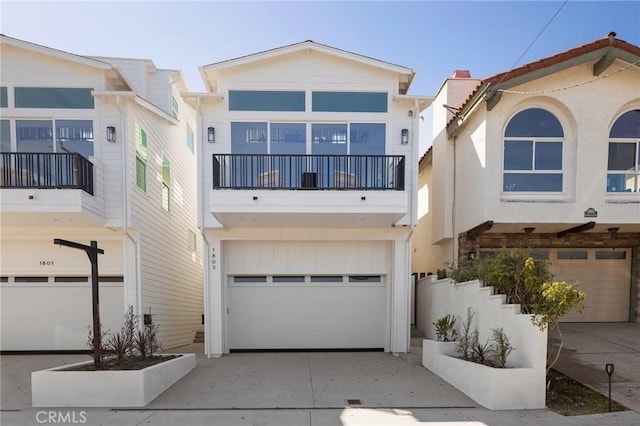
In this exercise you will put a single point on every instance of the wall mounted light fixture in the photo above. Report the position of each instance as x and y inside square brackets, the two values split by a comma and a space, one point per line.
[111, 133]
[404, 136]
[211, 134]
[613, 230]
[529, 230]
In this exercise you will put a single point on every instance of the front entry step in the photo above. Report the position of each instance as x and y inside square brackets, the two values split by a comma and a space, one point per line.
[199, 337]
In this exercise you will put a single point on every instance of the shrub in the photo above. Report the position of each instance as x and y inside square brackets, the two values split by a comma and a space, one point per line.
[464, 270]
[445, 328]
[467, 337]
[480, 352]
[501, 347]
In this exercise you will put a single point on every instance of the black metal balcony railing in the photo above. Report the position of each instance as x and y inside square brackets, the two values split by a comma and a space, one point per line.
[340, 172]
[46, 171]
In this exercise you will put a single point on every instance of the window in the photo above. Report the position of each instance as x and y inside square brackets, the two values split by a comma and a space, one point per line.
[349, 102]
[174, 107]
[71, 136]
[3, 97]
[141, 158]
[573, 255]
[624, 154]
[5, 136]
[53, 97]
[533, 153]
[166, 180]
[190, 143]
[255, 100]
[191, 242]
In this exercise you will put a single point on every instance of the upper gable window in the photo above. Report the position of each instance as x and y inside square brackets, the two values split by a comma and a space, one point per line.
[349, 102]
[4, 102]
[53, 97]
[624, 154]
[533, 153]
[259, 100]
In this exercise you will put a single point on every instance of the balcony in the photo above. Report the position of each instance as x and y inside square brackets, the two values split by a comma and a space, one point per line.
[49, 189]
[46, 171]
[322, 172]
[321, 191]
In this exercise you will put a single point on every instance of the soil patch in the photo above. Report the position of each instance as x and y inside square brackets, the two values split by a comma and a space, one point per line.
[129, 363]
[570, 398]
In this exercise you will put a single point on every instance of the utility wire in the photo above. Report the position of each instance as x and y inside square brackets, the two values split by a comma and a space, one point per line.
[534, 40]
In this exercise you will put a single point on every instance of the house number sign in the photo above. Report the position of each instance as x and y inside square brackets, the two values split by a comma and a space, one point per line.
[213, 259]
[46, 263]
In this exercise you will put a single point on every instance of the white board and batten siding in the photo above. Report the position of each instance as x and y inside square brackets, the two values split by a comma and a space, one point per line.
[170, 273]
[323, 308]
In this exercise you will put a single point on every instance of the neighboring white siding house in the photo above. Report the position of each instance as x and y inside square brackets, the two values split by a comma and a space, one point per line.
[62, 178]
[307, 200]
[546, 156]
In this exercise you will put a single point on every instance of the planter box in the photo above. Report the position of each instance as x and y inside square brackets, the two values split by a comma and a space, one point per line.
[55, 387]
[493, 388]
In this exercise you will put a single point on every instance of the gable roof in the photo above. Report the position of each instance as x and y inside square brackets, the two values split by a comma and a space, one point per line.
[405, 75]
[113, 73]
[604, 51]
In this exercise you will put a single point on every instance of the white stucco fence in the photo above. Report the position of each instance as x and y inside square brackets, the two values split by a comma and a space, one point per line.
[522, 385]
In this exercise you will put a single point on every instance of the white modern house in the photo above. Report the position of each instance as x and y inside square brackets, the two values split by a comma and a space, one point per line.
[545, 156]
[95, 149]
[307, 178]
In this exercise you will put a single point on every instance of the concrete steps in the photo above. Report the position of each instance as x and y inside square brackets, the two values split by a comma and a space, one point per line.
[199, 337]
[414, 357]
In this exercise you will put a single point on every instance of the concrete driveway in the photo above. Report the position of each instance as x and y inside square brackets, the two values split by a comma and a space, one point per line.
[309, 381]
[588, 347]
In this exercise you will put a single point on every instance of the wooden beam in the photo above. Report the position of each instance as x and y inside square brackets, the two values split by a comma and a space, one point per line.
[483, 227]
[605, 62]
[580, 228]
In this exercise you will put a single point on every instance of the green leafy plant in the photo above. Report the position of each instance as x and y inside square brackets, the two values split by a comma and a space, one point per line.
[556, 300]
[441, 274]
[445, 328]
[501, 347]
[467, 337]
[118, 346]
[464, 270]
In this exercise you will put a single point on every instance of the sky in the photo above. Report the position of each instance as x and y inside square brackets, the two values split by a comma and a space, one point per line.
[434, 38]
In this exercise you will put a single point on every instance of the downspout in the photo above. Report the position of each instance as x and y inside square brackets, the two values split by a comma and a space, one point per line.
[124, 111]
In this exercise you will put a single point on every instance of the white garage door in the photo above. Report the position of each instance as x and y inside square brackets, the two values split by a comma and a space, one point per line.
[306, 295]
[603, 274]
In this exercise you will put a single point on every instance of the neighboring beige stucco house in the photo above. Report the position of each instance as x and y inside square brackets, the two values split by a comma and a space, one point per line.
[546, 157]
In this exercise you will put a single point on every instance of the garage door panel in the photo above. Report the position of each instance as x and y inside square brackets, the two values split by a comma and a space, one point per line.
[306, 316]
[606, 283]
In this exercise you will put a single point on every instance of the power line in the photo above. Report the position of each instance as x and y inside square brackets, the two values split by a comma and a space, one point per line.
[534, 40]
[573, 85]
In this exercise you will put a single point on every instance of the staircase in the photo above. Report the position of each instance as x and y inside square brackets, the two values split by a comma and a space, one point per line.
[414, 357]
[199, 337]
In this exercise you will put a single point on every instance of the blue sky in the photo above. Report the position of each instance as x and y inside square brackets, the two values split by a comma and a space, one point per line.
[432, 37]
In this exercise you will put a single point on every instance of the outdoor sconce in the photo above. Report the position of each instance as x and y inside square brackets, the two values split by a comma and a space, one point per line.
[404, 136]
[111, 134]
[529, 230]
[211, 134]
[613, 230]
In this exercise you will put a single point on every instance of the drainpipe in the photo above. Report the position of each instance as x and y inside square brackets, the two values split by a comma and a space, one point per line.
[124, 111]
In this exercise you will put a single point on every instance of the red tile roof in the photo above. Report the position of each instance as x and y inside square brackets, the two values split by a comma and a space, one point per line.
[502, 77]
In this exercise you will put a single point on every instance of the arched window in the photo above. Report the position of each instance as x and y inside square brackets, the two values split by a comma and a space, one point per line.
[624, 154]
[533, 153]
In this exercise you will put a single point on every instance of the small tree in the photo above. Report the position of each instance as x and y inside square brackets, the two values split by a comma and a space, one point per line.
[554, 301]
[467, 337]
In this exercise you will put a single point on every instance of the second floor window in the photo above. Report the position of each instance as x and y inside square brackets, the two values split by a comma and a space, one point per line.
[533, 153]
[59, 136]
[141, 158]
[623, 165]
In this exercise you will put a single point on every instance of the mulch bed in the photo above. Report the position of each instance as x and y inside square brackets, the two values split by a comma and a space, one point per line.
[567, 397]
[131, 363]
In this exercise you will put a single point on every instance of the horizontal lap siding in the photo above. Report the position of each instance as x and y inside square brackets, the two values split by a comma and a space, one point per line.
[171, 274]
